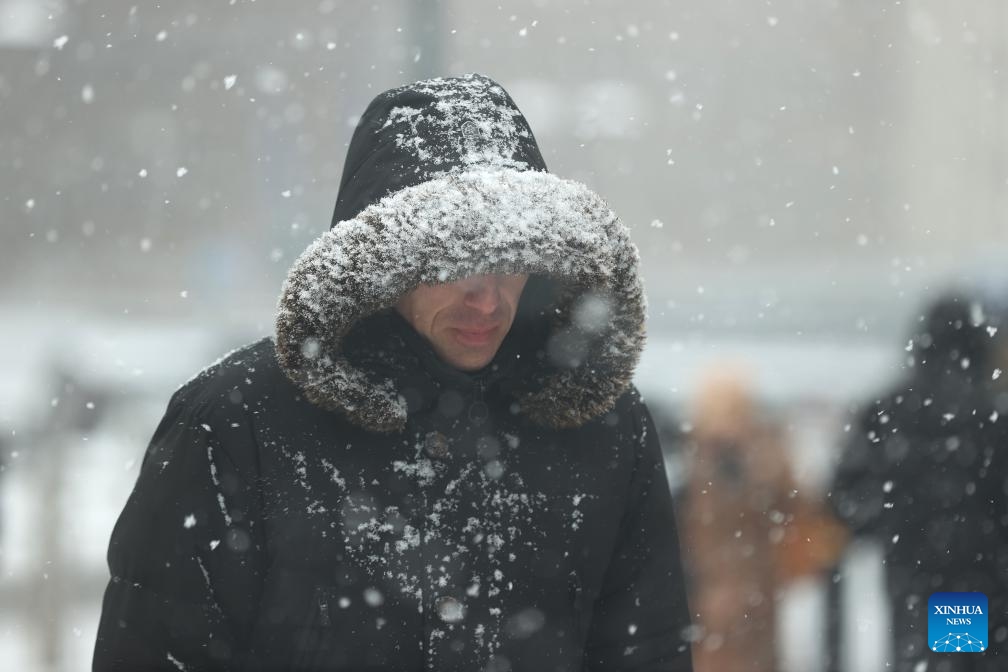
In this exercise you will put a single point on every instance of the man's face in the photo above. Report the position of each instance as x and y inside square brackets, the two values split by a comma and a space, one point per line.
[465, 321]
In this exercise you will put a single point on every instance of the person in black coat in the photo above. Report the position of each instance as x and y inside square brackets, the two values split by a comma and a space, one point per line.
[438, 462]
[924, 472]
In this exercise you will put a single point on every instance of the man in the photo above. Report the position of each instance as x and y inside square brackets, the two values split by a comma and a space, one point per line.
[439, 463]
[924, 473]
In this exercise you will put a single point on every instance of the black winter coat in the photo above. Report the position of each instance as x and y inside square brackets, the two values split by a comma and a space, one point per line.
[337, 498]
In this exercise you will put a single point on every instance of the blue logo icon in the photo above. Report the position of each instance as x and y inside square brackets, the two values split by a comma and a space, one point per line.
[957, 622]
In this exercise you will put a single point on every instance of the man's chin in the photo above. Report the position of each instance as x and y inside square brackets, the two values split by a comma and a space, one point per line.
[471, 365]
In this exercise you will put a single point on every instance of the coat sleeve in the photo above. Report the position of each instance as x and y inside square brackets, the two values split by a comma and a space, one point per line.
[641, 618]
[186, 552]
[857, 493]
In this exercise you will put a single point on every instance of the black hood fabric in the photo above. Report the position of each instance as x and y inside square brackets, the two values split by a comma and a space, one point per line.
[341, 500]
[444, 180]
[422, 131]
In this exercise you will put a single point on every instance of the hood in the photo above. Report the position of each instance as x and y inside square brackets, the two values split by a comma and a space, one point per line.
[954, 338]
[444, 180]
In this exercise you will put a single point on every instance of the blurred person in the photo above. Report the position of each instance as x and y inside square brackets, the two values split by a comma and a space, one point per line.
[438, 462]
[747, 530]
[923, 473]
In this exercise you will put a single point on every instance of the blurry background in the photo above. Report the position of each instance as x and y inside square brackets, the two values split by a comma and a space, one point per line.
[800, 176]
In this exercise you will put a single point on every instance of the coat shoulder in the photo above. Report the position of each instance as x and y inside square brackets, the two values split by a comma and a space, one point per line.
[239, 376]
[631, 411]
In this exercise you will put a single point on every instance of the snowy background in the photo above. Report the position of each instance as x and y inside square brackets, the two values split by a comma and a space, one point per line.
[800, 176]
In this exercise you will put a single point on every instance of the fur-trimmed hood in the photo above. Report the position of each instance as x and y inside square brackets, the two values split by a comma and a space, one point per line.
[444, 180]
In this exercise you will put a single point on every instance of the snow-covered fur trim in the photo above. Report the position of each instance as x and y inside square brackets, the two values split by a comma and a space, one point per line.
[442, 230]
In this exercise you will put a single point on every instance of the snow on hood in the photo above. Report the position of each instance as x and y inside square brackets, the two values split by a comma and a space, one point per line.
[450, 228]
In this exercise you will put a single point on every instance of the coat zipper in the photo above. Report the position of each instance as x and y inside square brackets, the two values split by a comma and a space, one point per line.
[322, 598]
[478, 410]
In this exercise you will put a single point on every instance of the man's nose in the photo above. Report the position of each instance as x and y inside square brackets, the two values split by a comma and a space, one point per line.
[482, 293]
